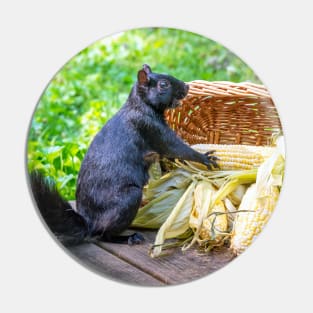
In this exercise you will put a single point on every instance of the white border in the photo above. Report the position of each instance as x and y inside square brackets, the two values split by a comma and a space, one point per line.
[273, 37]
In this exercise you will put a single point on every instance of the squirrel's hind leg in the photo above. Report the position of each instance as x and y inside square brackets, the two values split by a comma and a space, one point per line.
[133, 239]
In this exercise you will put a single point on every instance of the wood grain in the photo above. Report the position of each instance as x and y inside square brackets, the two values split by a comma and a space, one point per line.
[176, 267]
[111, 266]
[132, 264]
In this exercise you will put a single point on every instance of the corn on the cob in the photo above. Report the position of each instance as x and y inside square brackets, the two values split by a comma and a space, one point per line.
[236, 157]
[215, 225]
[207, 211]
[205, 220]
[253, 213]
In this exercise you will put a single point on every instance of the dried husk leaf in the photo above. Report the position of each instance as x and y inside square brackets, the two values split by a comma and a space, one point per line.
[177, 222]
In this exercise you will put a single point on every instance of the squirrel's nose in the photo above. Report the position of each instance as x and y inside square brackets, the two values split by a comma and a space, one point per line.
[186, 88]
[183, 92]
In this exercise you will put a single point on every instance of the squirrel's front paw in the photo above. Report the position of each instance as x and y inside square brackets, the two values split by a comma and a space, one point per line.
[211, 160]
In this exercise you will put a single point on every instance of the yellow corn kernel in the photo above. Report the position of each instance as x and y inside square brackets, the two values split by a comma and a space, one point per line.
[215, 225]
[235, 157]
[253, 213]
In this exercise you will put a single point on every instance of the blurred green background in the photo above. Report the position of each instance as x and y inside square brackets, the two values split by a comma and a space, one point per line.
[95, 83]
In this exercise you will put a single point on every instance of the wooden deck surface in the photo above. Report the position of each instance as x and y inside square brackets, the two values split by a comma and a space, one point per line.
[132, 264]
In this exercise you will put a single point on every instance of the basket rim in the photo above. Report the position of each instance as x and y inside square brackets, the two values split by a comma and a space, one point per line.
[226, 89]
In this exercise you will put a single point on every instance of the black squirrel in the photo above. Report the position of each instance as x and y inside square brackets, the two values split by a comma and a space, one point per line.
[115, 168]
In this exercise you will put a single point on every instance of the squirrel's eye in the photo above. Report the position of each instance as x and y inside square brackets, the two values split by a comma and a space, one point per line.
[163, 84]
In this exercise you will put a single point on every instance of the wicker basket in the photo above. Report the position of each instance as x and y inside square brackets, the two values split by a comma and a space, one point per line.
[225, 113]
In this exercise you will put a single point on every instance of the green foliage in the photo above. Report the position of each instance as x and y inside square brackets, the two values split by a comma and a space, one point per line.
[94, 84]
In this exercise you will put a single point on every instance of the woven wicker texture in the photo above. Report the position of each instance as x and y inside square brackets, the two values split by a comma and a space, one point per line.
[225, 113]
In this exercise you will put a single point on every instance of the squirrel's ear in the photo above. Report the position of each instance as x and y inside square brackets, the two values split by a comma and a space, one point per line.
[146, 68]
[143, 78]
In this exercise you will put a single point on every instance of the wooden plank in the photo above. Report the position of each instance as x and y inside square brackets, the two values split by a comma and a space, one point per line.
[111, 266]
[176, 267]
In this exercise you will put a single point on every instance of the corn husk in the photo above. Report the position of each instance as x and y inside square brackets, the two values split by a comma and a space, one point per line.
[236, 196]
[208, 223]
[177, 222]
[201, 205]
[176, 179]
[161, 196]
[155, 212]
[155, 171]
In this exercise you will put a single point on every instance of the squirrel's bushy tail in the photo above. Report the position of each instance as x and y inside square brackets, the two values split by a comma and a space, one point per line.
[67, 225]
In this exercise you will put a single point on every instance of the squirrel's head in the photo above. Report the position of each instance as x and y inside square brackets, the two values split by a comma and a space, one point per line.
[160, 91]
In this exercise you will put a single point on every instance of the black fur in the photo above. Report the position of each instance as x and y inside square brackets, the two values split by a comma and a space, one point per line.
[115, 168]
[68, 226]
